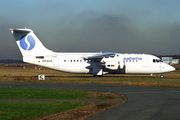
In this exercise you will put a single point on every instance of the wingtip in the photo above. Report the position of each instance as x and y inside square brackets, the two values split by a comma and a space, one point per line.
[10, 29]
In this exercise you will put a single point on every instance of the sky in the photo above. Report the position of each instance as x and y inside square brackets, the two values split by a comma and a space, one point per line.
[122, 26]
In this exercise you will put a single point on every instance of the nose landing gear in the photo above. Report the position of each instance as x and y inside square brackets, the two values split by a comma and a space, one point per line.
[161, 76]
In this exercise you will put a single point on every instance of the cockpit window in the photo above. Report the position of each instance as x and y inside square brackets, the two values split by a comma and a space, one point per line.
[157, 60]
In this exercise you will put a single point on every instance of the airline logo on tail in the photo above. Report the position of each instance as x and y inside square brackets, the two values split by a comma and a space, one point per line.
[27, 42]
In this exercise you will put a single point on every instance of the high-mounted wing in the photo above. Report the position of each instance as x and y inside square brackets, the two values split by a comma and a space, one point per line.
[99, 56]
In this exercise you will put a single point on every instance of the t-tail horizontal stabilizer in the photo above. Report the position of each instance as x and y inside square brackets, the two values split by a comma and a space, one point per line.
[28, 43]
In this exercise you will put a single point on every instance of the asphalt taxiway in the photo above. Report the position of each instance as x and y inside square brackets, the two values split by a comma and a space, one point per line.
[144, 103]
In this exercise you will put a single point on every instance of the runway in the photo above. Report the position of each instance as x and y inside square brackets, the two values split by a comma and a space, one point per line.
[144, 103]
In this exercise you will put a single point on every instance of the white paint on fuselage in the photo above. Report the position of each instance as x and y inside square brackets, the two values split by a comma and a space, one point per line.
[74, 63]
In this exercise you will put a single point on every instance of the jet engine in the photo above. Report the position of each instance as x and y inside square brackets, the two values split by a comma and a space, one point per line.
[111, 65]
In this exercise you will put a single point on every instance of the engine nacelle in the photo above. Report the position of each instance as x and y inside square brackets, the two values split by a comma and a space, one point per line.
[112, 65]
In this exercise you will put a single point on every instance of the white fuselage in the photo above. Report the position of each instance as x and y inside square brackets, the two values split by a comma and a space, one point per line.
[118, 64]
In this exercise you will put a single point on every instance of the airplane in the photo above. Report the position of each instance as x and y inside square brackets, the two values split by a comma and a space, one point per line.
[97, 64]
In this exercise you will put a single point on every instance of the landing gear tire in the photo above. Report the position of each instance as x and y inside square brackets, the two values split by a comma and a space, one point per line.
[161, 76]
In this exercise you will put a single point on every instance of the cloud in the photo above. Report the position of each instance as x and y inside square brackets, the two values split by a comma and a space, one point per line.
[93, 31]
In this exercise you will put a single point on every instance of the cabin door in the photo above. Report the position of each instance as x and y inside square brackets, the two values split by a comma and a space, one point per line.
[56, 62]
[145, 62]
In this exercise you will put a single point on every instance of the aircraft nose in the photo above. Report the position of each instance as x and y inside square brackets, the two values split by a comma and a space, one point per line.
[168, 68]
[171, 68]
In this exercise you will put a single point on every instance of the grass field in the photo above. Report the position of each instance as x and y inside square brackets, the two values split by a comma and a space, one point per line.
[29, 75]
[25, 93]
[21, 110]
[25, 110]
